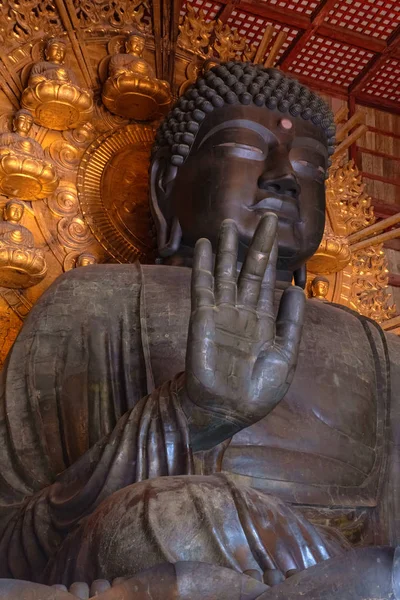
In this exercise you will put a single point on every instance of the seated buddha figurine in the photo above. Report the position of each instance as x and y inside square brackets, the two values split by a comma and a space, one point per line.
[201, 410]
[54, 94]
[24, 172]
[21, 264]
[132, 89]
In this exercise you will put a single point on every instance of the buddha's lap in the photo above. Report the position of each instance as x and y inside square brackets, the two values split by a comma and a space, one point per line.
[190, 518]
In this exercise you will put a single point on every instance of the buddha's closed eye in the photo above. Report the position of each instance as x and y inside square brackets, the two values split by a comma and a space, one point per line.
[242, 150]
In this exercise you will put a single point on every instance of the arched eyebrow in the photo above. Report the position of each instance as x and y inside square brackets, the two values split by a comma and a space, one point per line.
[265, 133]
[311, 143]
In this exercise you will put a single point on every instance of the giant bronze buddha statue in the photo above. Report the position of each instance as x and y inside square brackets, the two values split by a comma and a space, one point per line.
[155, 414]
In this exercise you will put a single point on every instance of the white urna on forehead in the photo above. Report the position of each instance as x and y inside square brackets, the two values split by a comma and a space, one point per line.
[240, 83]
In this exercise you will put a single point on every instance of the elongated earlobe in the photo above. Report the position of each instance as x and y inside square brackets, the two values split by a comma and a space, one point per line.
[169, 233]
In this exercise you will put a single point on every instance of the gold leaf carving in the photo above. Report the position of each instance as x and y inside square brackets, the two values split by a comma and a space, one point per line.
[64, 202]
[228, 44]
[369, 292]
[115, 14]
[346, 195]
[20, 20]
[73, 233]
[195, 32]
[65, 155]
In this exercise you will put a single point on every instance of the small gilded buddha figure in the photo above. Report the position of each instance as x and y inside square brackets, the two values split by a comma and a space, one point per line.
[19, 140]
[53, 68]
[54, 94]
[24, 172]
[21, 264]
[85, 259]
[132, 89]
[319, 288]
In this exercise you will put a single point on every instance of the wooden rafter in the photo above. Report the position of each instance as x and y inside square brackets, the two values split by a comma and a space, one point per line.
[226, 11]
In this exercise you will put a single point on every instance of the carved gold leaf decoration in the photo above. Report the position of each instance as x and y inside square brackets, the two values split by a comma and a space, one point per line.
[349, 210]
[21, 20]
[65, 155]
[208, 39]
[228, 43]
[64, 201]
[74, 233]
[195, 32]
[345, 193]
[95, 15]
[369, 292]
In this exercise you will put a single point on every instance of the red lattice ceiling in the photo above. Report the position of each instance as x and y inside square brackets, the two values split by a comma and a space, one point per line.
[252, 28]
[385, 83]
[375, 18]
[324, 59]
[210, 9]
[306, 7]
[340, 47]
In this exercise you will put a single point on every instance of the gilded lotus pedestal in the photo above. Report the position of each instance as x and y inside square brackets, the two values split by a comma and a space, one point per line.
[21, 267]
[133, 97]
[26, 178]
[58, 105]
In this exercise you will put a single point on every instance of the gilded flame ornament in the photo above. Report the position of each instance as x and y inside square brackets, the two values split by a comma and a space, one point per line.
[54, 95]
[24, 172]
[21, 264]
[132, 89]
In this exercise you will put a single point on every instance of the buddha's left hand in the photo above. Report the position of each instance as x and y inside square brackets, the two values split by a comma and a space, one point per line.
[240, 359]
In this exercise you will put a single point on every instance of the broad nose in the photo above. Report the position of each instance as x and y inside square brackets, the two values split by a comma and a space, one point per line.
[278, 176]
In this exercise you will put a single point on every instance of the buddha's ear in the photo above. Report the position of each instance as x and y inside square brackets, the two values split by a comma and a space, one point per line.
[162, 178]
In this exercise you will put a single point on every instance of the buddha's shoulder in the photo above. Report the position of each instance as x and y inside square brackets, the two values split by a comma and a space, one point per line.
[342, 330]
[115, 276]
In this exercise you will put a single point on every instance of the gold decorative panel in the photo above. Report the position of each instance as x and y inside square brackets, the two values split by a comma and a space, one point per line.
[112, 186]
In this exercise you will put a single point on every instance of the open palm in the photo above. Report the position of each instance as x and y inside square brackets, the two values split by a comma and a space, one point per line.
[241, 359]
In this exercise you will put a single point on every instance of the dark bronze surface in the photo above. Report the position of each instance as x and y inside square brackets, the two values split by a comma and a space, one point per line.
[147, 421]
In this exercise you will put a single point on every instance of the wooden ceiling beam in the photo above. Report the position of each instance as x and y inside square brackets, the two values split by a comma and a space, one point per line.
[383, 210]
[316, 21]
[346, 36]
[226, 11]
[375, 63]
[378, 103]
[271, 13]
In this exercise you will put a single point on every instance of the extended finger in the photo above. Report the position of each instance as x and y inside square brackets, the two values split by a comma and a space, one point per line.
[289, 323]
[266, 298]
[202, 279]
[225, 266]
[252, 273]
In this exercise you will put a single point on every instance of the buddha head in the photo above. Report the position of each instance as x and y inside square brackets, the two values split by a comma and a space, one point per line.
[135, 44]
[55, 51]
[319, 287]
[85, 259]
[242, 141]
[22, 122]
[13, 211]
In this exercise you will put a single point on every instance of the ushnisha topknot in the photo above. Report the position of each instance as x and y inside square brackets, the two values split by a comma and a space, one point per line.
[239, 83]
